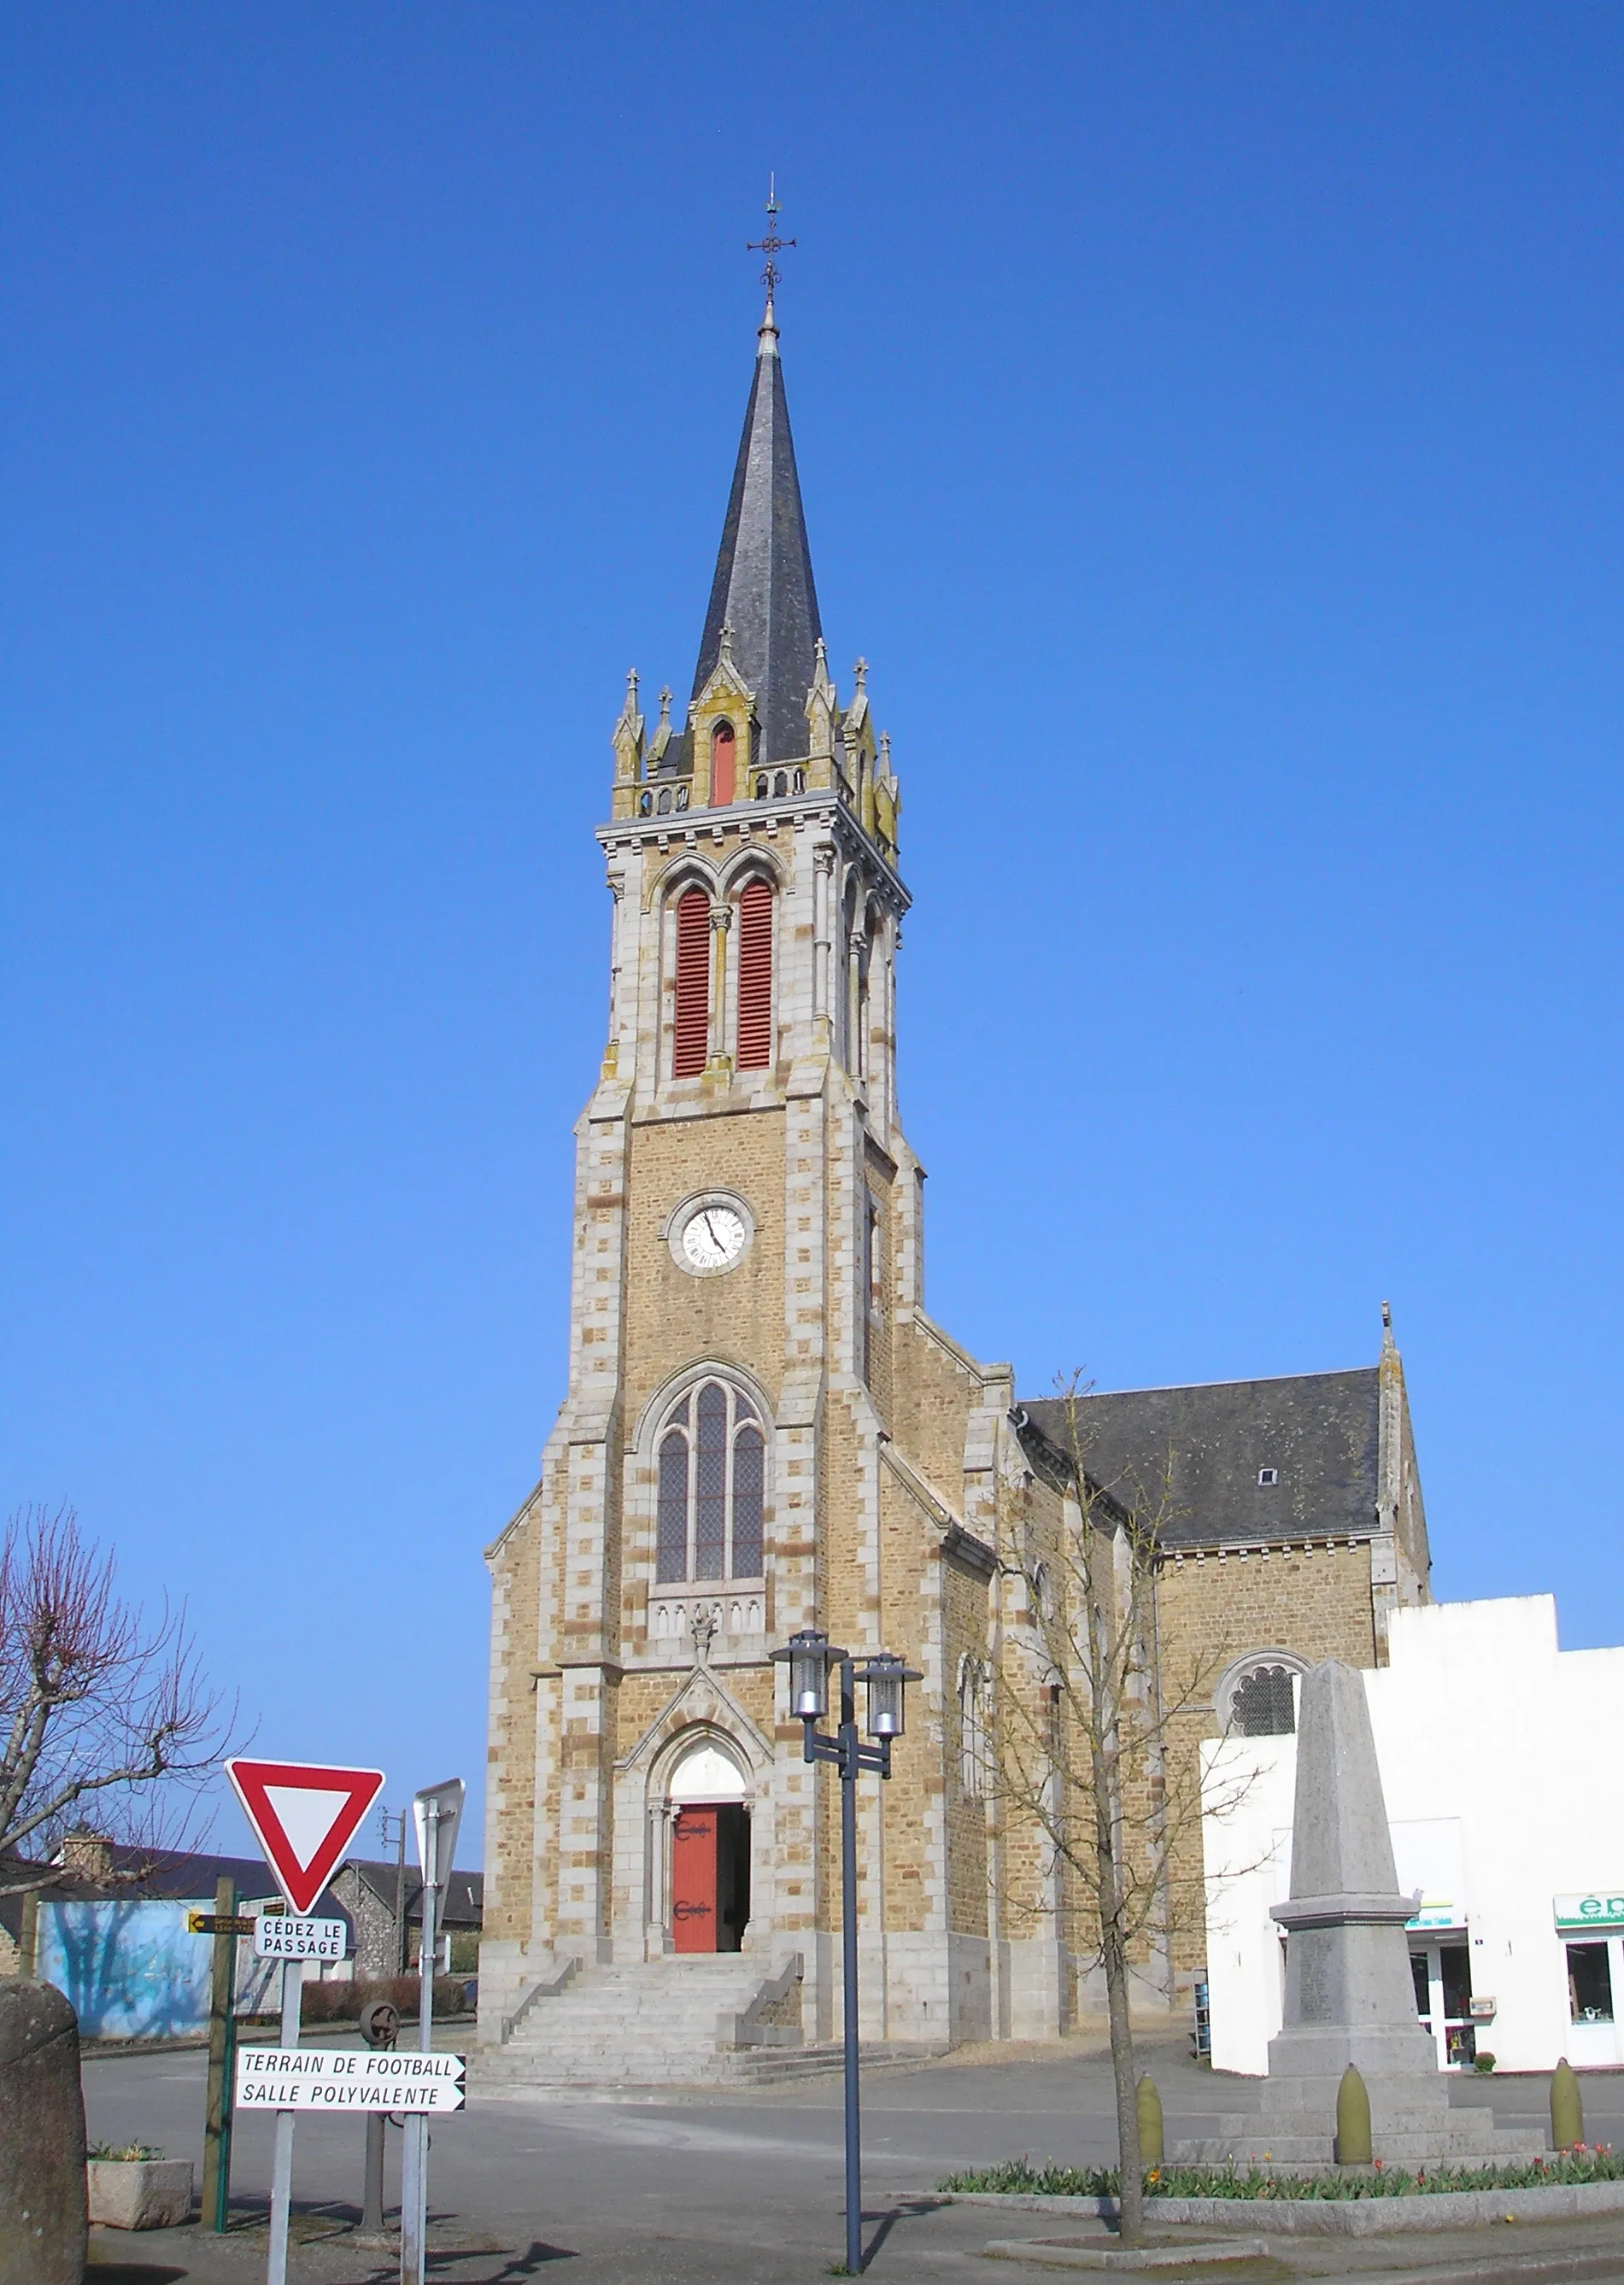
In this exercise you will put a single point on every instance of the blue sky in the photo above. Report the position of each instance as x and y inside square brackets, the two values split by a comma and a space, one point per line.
[1208, 421]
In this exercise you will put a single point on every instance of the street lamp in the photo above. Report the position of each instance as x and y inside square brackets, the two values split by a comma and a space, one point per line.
[808, 1655]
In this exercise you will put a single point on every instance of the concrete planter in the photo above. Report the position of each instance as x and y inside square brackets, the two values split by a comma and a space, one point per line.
[140, 2192]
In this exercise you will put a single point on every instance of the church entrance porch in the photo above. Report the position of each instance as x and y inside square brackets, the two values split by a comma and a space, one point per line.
[708, 1863]
[710, 1876]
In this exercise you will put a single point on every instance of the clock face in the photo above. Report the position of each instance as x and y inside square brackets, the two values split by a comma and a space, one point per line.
[714, 1237]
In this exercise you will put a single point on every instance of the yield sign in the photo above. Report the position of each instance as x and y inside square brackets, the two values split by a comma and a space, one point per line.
[304, 1815]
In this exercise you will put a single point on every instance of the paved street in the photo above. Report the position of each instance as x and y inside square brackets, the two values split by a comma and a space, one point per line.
[685, 2191]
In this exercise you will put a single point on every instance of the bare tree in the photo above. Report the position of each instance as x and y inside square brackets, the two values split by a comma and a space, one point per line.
[102, 1713]
[1087, 1749]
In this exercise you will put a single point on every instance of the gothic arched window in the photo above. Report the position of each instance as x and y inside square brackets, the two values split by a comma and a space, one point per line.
[1261, 1699]
[756, 976]
[975, 1728]
[712, 1470]
[692, 1042]
[723, 746]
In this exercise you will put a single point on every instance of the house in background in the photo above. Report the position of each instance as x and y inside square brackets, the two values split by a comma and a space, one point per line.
[371, 1895]
[109, 1929]
[110, 1932]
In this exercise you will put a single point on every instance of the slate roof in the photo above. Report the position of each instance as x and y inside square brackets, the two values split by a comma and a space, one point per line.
[465, 1892]
[1321, 1430]
[191, 1875]
[763, 588]
[188, 1873]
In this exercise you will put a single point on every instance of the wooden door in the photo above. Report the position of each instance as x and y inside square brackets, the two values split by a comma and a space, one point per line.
[693, 1922]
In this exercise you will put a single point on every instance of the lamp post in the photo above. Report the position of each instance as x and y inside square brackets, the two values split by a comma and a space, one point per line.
[808, 1655]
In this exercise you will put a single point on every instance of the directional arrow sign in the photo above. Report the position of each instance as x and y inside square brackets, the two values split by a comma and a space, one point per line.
[305, 1816]
[307, 2079]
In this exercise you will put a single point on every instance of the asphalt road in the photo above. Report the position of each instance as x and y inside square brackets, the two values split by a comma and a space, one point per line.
[699, 2189]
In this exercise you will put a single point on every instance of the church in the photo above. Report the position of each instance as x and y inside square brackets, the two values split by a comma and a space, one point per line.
[764, 1430]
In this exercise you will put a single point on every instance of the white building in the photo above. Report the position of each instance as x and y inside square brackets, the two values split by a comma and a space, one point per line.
[1497, 1753]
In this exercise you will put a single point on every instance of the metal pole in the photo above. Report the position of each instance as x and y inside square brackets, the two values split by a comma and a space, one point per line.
[371, 2188]
[282, 2166]
[414, 2155]
[848, 1930]
[216, 2199]
[400, 1893]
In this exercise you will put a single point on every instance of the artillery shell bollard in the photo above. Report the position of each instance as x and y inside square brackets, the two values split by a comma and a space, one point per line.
[1150, 2145]
[1352, 2120]
[1566, 2108]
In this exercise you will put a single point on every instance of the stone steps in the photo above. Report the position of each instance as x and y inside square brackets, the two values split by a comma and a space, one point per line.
[646, 2022]
[752, 2067]
[646, 2025]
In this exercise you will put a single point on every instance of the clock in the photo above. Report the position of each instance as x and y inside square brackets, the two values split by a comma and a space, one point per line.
[714, 1237]
[710, 1233]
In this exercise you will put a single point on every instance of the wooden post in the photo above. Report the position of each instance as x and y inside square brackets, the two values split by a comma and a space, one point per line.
[27, 1940]
[216, 2197]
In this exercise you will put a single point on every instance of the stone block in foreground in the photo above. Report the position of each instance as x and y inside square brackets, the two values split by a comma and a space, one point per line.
[42, 2218]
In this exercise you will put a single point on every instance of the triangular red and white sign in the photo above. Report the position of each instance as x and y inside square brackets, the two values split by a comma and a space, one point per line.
[305, 1816]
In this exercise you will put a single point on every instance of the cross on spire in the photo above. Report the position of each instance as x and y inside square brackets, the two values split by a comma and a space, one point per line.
[771, 244]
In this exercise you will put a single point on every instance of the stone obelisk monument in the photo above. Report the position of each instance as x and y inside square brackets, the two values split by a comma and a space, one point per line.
[1349, 1996]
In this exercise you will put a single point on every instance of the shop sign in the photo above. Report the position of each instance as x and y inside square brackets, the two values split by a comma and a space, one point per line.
[1436, 1913]
[1603, 1908]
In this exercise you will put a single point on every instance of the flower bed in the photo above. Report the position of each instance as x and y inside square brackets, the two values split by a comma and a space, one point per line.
[1021, 2178]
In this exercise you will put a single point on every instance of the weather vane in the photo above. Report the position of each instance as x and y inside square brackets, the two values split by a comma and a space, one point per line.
[771, 243]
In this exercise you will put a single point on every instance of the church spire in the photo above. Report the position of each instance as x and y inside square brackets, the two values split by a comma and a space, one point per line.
[763, 590]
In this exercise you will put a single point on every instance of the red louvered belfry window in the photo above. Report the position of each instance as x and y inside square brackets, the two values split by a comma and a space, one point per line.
[724, 748]
[755, 977]
[692, 983]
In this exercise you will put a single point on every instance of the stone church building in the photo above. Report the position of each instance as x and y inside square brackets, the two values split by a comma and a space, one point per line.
[765, 1430]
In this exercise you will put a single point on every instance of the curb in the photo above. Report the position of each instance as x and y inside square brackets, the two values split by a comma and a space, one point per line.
[1336, 2216]
[1067, 2253]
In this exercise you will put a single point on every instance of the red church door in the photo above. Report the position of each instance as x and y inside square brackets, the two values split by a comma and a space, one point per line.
[694, 1923]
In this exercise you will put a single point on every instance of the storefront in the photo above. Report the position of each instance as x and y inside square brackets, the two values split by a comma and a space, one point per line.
[1442, 1966]
[1496, 1824]
[1591, 1928]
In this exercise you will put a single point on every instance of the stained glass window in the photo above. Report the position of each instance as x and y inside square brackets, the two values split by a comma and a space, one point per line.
[712, 1487]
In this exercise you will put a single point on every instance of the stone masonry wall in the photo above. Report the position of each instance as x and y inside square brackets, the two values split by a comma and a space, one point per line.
[1214, 1609]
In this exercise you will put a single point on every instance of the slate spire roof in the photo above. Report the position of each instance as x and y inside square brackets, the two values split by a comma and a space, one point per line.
[763, 590]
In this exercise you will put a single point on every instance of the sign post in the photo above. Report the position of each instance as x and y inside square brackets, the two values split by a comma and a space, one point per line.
[303, 1814]
[380, 2028]
[437, 1812]
[282, 2164]
[216, 2199]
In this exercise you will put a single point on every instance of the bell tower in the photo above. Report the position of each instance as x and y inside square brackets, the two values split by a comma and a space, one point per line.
[762, 1431]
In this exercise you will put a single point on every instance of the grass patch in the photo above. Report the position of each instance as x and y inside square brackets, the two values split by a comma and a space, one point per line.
[1022, 2177]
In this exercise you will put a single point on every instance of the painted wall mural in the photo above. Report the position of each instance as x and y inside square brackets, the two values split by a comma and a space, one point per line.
[130, 1968]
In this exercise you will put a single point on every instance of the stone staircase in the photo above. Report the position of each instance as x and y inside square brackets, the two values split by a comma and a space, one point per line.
[704, 2020]
[658, 2023]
